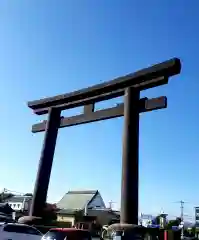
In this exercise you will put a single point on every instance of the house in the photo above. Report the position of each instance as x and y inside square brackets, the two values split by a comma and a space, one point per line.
[75, 204]
[104, 216]
[20, 204]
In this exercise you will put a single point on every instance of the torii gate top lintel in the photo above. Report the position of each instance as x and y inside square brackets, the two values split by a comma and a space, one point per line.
[143, 79]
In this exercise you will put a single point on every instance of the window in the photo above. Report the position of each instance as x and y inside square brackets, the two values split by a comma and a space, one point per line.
[21, 229]
[18, 205]
[14, 205]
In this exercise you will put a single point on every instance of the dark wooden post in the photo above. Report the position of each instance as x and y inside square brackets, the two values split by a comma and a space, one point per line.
[45, 164]
[130, 155]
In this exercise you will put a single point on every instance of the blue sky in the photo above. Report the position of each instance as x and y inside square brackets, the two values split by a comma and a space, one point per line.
[52, 47]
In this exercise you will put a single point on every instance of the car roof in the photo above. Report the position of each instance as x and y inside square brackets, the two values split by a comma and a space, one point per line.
[18, 224]
[68, 230]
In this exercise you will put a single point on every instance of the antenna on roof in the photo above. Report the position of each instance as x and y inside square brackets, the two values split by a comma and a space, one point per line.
[110, 204]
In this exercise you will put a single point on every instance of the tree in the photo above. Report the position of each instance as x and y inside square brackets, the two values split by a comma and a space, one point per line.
[193, 231]
[5, 196]
[28, 194]
[49, 212]
[172, 223]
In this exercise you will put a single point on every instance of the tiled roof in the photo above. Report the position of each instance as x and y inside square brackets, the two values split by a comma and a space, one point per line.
[19, 199]
[76, 200]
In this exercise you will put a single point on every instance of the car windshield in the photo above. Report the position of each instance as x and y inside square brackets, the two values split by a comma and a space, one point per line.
[21, 229]
[67, 235]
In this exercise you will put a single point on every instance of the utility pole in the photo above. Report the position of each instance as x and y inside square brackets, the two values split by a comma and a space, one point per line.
[182, 217]
[182, 210]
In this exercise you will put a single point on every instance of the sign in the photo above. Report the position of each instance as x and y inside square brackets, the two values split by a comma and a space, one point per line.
[197, 216]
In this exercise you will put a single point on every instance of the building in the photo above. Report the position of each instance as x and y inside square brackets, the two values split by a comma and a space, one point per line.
[163, 220]
[104, 216]
[146, 219]
[79, 200]
[20, 204]
[76, 204]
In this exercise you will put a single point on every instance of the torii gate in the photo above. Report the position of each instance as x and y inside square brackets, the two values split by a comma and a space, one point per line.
[130, 86]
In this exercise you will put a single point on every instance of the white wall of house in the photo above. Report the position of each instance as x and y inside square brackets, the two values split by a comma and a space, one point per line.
[20, 206]
[17, 206]
[97, 202]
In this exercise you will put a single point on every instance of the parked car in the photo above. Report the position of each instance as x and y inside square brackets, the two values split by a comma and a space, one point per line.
[67, 234]
[15, 231]
[189, 238]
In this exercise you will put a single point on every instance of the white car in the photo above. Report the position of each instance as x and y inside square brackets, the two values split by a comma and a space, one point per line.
[15, 231]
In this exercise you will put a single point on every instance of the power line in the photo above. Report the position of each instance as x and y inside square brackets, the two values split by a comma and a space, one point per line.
[5, 190]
